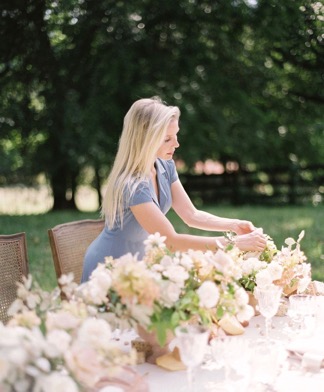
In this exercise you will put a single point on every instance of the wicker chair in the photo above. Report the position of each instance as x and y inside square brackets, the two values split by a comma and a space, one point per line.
[69, 242]
[13, 267]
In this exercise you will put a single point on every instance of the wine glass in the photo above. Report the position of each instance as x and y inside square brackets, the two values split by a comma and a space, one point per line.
[268, 303]
[265, 365]
[232, 353]
[192, 342]
[302, 313]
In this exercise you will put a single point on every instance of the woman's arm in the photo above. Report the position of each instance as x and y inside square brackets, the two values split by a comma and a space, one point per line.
[153, 220]
[183, 206]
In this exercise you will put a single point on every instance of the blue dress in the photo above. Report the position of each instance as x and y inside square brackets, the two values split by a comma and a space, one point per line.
[118, 241]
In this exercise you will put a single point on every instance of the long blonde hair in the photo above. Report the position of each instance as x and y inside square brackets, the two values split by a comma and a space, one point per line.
[144, 129]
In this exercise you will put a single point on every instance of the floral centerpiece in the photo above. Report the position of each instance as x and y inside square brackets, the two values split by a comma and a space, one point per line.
[51, 346]
[286, 267]
[166, 289]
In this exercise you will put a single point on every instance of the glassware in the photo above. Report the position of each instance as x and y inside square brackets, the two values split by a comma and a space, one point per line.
[268, 303]
[192, 342]
[303, 314]
[232, 353]
[265, 365]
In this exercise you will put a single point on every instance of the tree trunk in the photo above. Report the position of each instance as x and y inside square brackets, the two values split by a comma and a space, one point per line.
[63, 187]
[98, 185]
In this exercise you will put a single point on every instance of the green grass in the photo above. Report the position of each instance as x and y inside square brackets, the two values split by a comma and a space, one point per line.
[278, 222]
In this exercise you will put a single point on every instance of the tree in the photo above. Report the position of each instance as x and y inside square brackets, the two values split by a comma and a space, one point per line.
[247, 77]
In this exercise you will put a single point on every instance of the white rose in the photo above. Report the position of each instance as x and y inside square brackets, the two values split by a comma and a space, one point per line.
[95, 333]
[176, 273]
[250, 265]
[245, 314]
[170, 293]
[102, 277]
[208, 294]
[94, 293]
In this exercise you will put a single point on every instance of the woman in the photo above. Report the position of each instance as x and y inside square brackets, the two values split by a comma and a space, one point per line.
[143, 185]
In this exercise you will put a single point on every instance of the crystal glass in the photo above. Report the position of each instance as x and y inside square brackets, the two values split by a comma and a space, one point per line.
[232, 353]
[303, 314]
[265, 365]
[192, 341]
[268, 303]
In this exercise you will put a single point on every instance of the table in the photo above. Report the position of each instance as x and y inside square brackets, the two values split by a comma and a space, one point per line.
[291, 378]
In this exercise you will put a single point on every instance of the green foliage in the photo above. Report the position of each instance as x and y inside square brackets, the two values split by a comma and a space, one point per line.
[248, 80]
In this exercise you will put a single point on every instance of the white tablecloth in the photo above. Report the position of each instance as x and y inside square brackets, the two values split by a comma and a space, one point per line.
[292, 377]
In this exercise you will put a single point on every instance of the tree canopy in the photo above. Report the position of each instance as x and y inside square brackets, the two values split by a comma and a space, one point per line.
[247, 76]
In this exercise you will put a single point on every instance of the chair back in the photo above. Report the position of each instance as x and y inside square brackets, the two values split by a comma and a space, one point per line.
[13, 267]
[69, 242]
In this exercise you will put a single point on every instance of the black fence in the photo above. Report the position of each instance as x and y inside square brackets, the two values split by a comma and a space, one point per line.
[278, 185]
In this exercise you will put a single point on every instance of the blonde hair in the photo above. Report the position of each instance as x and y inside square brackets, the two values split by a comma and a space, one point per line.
[144, 129]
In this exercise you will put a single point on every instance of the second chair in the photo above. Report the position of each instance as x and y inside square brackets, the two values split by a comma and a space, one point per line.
[69, 242]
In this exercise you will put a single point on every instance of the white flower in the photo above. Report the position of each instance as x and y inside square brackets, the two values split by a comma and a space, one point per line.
[18, 356]
[94, 293]
[275, 270]
[66, 279]
[170, 293]
[223, 262]
[263, 278]
[245, 313]
[252, 265]
[58, 342]
[241, 296]
[27, 318]
[186, 262]
[176, 273]
[208, 294]
[154, 241]
[55, 382]
[166, 262]
[62, 320]
[95, 333]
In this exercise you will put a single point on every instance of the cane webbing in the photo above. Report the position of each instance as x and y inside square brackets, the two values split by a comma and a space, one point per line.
[69, 242]
[13, 266]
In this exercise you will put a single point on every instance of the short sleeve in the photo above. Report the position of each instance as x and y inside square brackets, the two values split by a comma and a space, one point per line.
[141, 195]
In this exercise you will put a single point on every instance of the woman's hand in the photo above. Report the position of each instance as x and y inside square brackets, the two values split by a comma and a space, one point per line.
[243, 227]
[253, 241]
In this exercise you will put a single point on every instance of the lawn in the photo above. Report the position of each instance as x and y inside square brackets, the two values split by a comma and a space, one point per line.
[278, 222]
